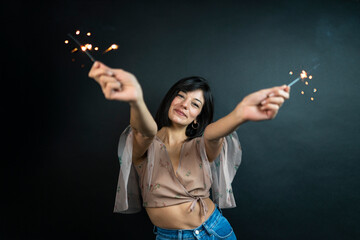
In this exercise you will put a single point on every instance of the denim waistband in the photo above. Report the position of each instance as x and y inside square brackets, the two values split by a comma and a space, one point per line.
[191, 233]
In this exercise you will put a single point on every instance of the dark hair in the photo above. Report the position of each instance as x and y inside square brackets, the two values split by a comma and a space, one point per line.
[188, 84]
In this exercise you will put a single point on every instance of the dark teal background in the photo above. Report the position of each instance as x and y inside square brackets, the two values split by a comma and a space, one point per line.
[299, 178]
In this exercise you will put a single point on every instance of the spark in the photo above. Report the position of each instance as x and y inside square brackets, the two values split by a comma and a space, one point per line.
[66, 41]
[302, 92]
[315, 90]
[77, 32]
[112, 47]
[303, 74]
[310, 77]
[291, 73]
[306, 83]
[312, 99]
[88, 46]
[74, 50]
[88, 34]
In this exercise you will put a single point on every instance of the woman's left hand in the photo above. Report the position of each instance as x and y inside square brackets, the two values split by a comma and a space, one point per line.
[263, 104]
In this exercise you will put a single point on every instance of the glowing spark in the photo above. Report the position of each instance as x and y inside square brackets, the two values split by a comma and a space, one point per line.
[74, 50]
[302, 92]
[303, 74]
[312, 99]
[83, 48]
[89, 34]
[96, 48]
[77, 32]
[66, 41]
[290, 73]
[315, 90]
[310, 77]
[112, 47]
[88, 46]
[306, 83]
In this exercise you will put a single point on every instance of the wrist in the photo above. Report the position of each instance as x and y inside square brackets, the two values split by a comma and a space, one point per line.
[239, 114]
[137, 103]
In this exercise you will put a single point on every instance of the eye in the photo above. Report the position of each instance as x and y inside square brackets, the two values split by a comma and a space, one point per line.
[195, 105]
[180, 95]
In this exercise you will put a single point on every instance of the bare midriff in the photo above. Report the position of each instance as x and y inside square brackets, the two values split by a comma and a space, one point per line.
[179, 216]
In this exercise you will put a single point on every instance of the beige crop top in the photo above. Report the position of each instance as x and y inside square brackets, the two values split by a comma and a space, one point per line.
[155, 180]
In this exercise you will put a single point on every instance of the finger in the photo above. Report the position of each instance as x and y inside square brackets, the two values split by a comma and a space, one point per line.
[287, 89]
[279, 93]
[105, 79]
[97, 66]
[274, 100]
[97, 73]
[111, 88]
[270, 106]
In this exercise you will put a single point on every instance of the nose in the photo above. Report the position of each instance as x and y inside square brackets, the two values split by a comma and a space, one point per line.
[185, 104]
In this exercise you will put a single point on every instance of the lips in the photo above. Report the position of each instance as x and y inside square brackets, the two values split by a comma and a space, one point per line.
[180, 113]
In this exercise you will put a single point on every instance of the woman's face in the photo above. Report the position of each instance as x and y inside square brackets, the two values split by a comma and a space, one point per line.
[186, 106]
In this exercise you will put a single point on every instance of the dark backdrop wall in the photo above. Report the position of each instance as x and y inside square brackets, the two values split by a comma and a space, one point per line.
[299, 178]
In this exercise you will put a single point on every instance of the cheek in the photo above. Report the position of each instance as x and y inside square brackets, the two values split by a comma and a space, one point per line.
[175, 101]
[195, 112]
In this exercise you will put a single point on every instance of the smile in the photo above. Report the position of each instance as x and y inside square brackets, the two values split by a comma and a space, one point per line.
[180, 113]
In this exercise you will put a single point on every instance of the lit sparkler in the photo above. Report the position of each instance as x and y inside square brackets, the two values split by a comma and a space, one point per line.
[83, 47]
[88, 47]
[303, 75]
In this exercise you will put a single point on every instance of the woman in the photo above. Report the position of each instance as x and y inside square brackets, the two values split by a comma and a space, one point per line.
[174, 160]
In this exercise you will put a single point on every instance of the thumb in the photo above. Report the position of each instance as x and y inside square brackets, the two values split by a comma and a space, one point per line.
[286, 88]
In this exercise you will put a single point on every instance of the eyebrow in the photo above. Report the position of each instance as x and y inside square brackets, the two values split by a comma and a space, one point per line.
[198, 100]
[194, 98]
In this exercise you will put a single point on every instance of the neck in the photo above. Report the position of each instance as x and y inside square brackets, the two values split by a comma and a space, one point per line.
[173, 134]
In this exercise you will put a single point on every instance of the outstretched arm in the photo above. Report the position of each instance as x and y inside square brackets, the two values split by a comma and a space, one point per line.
[120, 85]
[258, 106]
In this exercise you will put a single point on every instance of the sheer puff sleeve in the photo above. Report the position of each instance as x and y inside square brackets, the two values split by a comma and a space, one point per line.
[128, 197]
[223, 170]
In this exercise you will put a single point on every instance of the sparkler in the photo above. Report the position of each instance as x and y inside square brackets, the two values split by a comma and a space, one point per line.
[84, 48]
[88, 47]
[302, 76]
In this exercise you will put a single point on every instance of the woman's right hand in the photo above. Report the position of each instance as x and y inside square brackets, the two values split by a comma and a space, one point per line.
[116, 84]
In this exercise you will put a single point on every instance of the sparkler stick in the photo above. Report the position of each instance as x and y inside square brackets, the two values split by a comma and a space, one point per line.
[81, 46]
[295, 81]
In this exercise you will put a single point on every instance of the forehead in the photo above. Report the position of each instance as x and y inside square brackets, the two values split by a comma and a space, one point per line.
[198, 94]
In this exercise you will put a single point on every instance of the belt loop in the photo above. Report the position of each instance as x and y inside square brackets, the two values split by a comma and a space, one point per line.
[179, 234]
[207, 229]
[154, 230]
[219, 209]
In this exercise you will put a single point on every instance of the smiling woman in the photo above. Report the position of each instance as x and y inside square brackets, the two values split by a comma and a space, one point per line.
[172, 161]
[195, 92]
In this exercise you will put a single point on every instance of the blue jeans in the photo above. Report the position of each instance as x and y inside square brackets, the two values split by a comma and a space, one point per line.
[215, 227]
